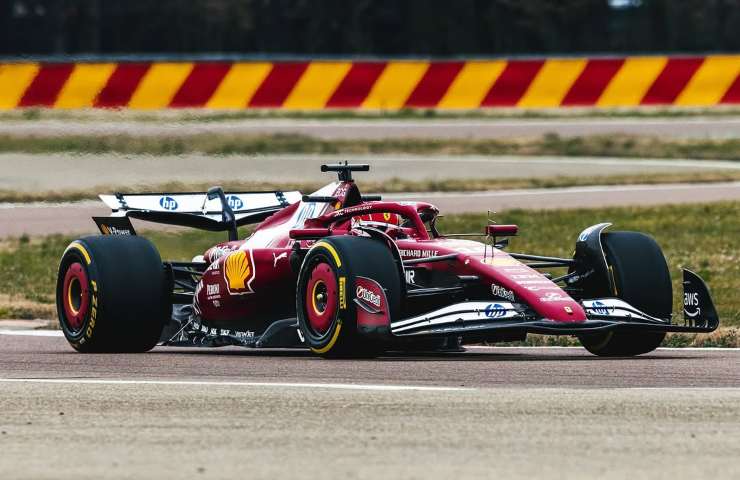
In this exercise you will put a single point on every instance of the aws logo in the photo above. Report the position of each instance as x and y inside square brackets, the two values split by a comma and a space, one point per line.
[239, 271]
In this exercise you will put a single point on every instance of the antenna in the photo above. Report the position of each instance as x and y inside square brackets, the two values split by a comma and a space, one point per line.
[345, 170]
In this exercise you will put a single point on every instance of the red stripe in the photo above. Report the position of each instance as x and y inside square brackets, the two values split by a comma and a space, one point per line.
[356, 85]
[732, 95]
[434, 84]
[121, 85]
[592, 81]
[46, 85]
[512, 83]
[278, 84]
[672, 80]
[203, 80]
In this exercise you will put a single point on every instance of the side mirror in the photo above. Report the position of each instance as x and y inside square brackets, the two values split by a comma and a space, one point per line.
[496, 230]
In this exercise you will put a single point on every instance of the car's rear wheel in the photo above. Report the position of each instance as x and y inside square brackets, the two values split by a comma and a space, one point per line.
[329, 278]
[642, 279]
[113, 294]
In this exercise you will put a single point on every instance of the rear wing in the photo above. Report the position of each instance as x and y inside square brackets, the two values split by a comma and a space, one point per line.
[214, 210]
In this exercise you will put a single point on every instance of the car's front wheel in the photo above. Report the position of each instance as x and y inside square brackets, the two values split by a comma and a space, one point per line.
[642, 279]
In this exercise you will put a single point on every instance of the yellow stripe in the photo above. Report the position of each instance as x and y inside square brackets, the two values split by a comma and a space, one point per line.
[159, 85]
[331, 250]
[78, 246]
[331, 342]
[84, 84]
[239, 85]
[632, 81]
[395, 84]
[472, 84]
[14, 80]
[711, 81]
[552, 83]
[316, 85]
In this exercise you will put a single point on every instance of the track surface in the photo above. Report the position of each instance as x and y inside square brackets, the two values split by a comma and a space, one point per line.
[693, 127]
[53, 172]
[42, 219]
[513, 413]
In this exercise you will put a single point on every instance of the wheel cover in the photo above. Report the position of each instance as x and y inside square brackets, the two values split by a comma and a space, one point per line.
[321, 297]
[76, 298]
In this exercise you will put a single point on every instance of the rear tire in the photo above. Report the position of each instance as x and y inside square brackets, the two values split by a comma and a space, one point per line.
[327, 314]
[641, 279]
[113, 294]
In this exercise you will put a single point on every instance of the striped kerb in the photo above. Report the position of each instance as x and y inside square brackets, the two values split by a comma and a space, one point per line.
[376, 85]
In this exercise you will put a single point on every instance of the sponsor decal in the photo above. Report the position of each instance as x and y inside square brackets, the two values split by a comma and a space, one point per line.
[111, 230]
[342, 293]
[418, 253]
[168, 203]
[368, 295]
[601, 308]
[554, 297]
[499, 291]
[234, 202]
[410, 276]
[239, 272]
[691, 300]
[350, 210]
[277, 258]
[213, 292]
[387, 217]
[568, 310]
[495, 310]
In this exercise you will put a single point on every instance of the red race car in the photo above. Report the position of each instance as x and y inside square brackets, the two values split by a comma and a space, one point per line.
[348, 275]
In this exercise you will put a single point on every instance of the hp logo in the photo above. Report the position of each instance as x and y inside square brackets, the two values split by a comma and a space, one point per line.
[234, 202]
[168, 203]
[495, 310]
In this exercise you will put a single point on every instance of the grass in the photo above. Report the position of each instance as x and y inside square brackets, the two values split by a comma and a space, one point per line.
[393, 185]
[234, 144]
[206, 115]
[705, 238]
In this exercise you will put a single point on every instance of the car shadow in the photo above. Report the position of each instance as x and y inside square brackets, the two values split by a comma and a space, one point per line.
[467, 356]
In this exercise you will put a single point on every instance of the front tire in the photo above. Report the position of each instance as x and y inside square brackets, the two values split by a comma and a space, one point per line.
[642, 279]
[327, 314]
[113, 294]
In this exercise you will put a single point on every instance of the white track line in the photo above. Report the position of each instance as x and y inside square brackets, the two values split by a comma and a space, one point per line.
[32, 333]
[334, 386]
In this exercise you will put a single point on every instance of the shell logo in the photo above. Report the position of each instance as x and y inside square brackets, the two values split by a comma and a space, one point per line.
[239, 272]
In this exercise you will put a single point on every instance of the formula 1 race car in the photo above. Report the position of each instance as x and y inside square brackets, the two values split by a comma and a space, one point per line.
[348, 275]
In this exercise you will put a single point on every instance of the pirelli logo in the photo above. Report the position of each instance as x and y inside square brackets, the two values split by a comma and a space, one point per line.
[343, 293]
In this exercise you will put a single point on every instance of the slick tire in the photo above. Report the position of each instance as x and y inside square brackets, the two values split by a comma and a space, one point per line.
[112, 294]
[325, 293]
[642, 279]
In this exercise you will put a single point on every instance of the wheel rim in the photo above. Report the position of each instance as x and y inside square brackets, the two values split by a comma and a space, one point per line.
[321, 297]
[76, 296]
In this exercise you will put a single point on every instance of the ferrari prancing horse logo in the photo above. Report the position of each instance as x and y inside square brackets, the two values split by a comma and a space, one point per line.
[239, 272]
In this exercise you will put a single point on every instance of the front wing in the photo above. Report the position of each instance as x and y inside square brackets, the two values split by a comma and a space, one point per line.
[604, 314]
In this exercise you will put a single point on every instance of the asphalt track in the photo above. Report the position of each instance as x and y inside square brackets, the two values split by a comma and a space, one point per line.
[229, 413]
[74, 218]
[678, 127]
[55, 172]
